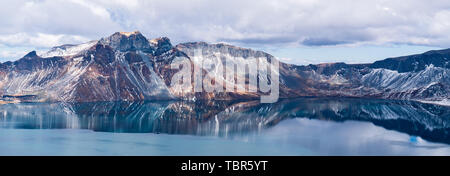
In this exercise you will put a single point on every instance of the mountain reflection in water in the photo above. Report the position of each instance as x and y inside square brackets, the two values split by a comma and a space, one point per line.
[227, 118]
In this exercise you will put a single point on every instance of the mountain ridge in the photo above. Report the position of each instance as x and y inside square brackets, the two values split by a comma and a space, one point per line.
[129, 67]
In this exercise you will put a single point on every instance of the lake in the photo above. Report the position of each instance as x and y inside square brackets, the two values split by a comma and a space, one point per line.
[303, 126]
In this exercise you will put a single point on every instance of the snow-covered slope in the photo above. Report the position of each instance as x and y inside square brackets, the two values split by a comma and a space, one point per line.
[410, 85]
[68, 50]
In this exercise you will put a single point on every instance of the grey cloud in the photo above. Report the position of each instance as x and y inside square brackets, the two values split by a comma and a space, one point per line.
[261, 40]
[322, 42]
[258, 22]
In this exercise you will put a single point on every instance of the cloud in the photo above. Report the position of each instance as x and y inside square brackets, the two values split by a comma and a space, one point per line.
[260, 40]
[40, 39]
[252, 22]
[11, 54]
[322, 42]
[97, 10]
[54, 17]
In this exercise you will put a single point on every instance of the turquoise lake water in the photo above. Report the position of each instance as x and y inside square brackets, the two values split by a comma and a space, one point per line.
[306, 126]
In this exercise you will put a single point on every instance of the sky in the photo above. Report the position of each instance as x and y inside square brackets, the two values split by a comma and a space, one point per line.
[295, 31]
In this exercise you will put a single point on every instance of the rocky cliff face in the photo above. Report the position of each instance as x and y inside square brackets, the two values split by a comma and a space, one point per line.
[119, 67]
[127, 66]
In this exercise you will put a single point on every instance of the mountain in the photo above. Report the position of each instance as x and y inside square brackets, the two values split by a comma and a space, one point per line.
[418, 62]
[127, 66]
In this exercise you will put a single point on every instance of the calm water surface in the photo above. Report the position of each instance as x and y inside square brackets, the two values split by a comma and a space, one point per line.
[306, 126]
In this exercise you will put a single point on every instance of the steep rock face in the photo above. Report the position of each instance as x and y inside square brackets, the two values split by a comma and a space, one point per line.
[332, 79]
[124, 71]
[120, 67]
[127, 66]
[410, 85]
[213, 59]
[418, 62]
[162, 45]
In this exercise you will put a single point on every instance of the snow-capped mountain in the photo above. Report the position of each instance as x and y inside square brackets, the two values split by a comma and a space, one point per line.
[127, 66]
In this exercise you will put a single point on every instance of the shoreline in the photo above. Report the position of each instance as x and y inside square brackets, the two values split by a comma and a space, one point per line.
[444, 102]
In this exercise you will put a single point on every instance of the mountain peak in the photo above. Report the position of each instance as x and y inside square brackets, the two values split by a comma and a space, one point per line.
[443, 51]
[128, 41]
[31, 54]
[130, 33]
[162, 45]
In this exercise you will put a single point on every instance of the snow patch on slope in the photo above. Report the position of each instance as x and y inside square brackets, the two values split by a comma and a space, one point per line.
[66, 50]
[400, 82]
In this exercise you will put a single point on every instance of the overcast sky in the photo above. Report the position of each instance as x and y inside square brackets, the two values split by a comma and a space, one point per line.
[296, 31]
